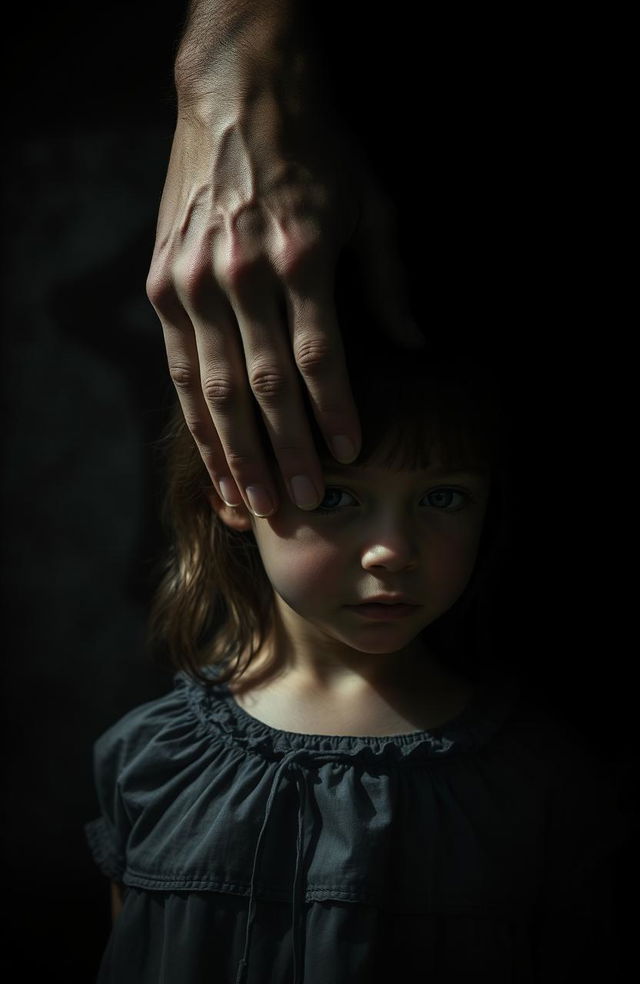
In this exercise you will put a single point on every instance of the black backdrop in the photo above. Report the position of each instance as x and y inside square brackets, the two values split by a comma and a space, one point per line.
[502, 185]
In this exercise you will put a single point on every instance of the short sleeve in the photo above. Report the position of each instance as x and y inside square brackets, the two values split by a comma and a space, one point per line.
[115, 754]
[107, 834]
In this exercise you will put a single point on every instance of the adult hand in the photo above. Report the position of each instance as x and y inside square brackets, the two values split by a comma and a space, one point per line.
[263, 191]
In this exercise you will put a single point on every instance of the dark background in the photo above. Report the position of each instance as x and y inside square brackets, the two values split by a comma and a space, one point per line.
[500, 157]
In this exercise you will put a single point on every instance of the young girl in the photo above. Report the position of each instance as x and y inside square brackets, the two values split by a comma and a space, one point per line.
[347, 784]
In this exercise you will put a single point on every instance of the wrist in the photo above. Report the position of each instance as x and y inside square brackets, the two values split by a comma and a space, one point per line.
[233, 48]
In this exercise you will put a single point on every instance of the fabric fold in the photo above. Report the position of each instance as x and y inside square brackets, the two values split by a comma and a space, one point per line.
[101, 844]
[471, 823]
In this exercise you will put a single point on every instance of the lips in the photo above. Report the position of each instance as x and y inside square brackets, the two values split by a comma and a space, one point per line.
[383, 610]
[387, 604]
[398, 600]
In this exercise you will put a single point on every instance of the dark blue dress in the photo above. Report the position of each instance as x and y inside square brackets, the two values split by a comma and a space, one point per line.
[472, 852]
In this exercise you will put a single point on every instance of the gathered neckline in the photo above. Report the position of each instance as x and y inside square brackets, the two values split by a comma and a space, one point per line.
[437, 730]
[218, 712]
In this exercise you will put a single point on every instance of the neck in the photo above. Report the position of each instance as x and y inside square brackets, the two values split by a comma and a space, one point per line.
[331, 675]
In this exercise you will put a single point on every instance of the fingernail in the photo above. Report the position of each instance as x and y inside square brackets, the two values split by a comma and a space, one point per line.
[229, 492]
[304, 493]
[259, 500]
[343, 449]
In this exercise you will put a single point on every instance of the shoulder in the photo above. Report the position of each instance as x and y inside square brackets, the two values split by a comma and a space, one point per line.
[143, 725]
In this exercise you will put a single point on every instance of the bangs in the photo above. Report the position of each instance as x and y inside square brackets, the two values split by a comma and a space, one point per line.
[421, 440]
[437, 406]
[417, 411]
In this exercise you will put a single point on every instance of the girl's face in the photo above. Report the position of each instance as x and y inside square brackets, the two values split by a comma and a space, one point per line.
[377, 531]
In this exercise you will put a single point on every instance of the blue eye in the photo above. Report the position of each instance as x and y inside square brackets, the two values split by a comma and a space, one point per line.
[334, 491]
[449, 492]
[331, 490]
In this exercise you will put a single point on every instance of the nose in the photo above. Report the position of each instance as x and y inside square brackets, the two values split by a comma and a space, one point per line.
[394, 551]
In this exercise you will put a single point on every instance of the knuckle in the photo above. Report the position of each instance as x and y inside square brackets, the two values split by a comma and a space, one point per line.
[234, 272]
[200, 430]
[182, 375]
[194, 278]
[160, 291]
[299, 253]
[240, 462]
[312, 355]
[219, 393]
[267, 383]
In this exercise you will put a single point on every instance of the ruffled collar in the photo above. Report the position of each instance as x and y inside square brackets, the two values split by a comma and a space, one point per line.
[218, 713]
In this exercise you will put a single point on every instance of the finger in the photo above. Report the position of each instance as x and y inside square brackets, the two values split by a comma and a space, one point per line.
[304, 256]
[182, 359]
[225, 389]
[185, 372]
[230, 400]
[320, 358]
[184, 369]
[276, 386]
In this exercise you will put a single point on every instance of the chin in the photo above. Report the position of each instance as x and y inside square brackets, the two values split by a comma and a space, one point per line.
[383, 647]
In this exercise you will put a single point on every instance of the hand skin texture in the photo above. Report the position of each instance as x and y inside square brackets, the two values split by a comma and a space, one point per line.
[264, 189]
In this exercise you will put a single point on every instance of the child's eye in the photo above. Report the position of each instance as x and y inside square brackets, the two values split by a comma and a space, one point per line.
[329, 492]
[449, 492]
[436, 496]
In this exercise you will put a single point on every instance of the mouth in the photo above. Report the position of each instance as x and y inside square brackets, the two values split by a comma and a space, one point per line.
[383, 610]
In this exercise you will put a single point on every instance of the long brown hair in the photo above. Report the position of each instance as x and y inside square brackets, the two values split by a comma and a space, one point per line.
[214, 601]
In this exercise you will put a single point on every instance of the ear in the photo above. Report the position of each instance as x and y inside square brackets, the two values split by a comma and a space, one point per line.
[235, 517]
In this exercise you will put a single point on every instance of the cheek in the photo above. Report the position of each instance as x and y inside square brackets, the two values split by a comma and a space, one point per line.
[450, 563]
[302, 570]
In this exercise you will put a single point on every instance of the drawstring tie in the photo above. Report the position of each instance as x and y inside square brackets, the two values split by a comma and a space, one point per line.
[301, 786]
